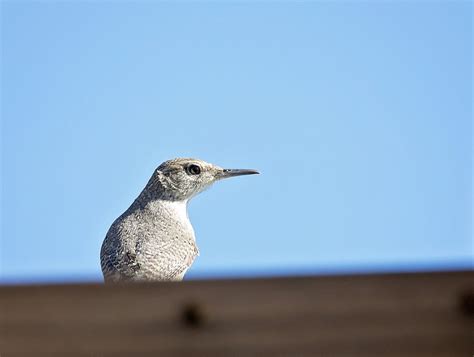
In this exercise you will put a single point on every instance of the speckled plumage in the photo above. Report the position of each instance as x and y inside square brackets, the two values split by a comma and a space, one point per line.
[153, 240]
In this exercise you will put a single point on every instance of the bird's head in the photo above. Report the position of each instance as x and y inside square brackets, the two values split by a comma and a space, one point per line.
[181, 179]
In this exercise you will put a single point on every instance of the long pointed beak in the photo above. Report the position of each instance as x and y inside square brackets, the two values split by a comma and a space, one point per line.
[238, 172]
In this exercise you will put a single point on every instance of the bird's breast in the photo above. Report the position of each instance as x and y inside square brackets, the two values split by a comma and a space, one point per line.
[171, 218]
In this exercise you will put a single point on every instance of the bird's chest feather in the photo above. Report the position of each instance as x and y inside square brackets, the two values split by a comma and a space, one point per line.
[164, 228]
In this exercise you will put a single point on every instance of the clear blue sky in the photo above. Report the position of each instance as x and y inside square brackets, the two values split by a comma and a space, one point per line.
[359, 116]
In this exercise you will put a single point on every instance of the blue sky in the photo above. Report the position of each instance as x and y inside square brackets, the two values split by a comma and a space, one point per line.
[358, 115]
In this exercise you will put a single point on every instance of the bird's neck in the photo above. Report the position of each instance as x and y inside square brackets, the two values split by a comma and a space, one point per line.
[174, 213]
[160, 189]
[177, 210]
[156, 201]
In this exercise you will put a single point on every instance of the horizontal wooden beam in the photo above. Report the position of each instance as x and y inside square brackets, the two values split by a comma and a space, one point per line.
[420, 314]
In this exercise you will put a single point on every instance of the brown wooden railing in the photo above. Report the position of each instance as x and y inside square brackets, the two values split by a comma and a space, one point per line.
[419, 314]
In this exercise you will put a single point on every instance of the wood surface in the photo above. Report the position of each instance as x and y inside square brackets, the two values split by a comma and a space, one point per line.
[418, 314]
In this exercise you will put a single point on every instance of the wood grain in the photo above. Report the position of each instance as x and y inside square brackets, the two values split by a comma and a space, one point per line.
[421, 314]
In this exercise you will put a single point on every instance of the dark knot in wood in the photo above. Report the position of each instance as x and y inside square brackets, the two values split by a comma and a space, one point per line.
[466, 303]
[192, 315]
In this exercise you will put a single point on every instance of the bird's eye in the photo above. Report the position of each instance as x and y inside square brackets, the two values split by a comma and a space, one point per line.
[193, 169]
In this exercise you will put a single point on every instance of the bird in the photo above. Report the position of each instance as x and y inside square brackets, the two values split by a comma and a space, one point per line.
[153, 240]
